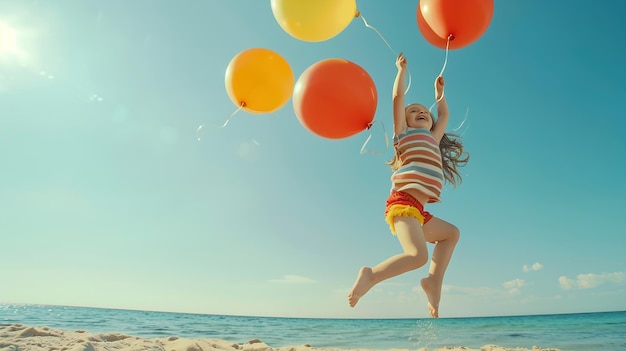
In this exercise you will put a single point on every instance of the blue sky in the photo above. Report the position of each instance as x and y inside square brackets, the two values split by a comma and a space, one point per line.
[111, 197]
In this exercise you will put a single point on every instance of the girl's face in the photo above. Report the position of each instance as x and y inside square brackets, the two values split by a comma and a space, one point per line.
[418, 116]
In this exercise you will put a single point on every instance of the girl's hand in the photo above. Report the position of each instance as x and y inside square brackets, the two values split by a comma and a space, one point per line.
[439, 83]
[401, 62]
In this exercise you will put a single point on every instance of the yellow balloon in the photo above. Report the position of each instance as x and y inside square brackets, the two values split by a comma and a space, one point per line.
[314, 20]
[259, 80]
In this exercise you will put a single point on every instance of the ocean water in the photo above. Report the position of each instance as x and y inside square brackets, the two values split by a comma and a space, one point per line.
[603, 331]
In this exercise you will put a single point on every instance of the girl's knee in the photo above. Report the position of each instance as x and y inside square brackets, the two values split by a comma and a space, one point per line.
[419, 259]
[455, 233]
[422, 260]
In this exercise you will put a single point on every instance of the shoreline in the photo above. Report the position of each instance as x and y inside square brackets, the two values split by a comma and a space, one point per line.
[40, 338]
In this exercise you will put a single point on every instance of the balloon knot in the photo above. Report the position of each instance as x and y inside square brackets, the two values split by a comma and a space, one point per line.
[357, 14]
[451, 37]
[369, 125]
[243, 104]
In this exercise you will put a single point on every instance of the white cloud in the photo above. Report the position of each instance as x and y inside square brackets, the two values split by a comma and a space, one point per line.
[514, 291]
[566, 283]
[514, 284]
[293, 279]
[591, 280]
[534, 267]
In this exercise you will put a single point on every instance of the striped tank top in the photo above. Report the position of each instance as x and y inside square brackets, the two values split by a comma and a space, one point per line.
[421, 163]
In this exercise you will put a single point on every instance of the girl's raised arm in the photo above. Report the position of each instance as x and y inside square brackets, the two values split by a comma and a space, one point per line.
[443, 115]
[399, 117]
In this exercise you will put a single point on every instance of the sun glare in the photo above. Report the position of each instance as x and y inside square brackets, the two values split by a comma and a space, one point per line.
[8, 40]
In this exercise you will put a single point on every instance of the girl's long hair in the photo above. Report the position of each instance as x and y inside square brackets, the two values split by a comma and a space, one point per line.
[452, 157]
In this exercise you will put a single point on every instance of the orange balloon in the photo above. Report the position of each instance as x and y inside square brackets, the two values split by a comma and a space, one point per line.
[429, 34]
[335, 98]
[260, 80]
[464, 20]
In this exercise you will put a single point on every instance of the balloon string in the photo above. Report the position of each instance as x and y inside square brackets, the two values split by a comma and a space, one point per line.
[242, 105]
[380, 35]
[445, 63]
[358, 14]
[463, 121]
[363, 148]
[462, 124]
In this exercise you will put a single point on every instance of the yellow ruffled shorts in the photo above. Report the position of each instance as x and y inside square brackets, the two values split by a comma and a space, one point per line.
[401, 204]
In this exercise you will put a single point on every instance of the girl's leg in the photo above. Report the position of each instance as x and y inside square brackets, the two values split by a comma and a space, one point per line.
[411, 236]
[445, 236]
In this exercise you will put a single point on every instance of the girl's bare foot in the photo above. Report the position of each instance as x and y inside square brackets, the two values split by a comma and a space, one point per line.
[361, 286]
[433, 293]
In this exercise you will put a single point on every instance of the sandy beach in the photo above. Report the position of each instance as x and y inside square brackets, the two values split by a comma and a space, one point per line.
[18, 337]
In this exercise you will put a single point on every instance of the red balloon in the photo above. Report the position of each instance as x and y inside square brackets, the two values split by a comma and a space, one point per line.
[429, 34]
[335, 98]
[464, 20]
